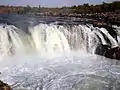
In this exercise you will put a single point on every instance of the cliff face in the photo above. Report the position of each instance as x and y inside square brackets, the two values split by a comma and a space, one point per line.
[10, 9]
[4, 11]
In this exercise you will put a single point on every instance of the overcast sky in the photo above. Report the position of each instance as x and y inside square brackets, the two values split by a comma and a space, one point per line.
[50, 3]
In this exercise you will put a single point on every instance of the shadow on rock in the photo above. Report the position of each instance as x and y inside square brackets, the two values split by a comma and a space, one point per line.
[107, 51]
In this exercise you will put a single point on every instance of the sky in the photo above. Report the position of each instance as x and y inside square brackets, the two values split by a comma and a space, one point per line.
[50, 3]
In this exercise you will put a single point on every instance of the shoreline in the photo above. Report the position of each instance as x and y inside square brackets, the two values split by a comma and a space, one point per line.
[97, 19]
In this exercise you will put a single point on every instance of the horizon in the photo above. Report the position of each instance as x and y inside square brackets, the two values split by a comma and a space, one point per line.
[52, 3]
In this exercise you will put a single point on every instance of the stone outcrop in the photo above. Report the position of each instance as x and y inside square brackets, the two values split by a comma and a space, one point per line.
[107, 51]
[4, 86]
[102, 49]
[113, 53]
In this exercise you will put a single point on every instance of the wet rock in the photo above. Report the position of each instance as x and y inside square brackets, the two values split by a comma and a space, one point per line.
[102, 49]
[112, 32]
[113, 53]
[108, 27]
[107, 51]
[110, 53]
[99, 24]
[4, 86]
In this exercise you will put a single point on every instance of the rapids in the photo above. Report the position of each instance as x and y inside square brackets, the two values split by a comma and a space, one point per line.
[57, 57]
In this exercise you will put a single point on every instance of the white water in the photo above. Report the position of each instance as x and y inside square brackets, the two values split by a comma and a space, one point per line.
[55, 57]
[118, 32]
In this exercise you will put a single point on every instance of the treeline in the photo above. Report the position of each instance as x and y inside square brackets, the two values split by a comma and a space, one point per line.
[29, 9]
[79, 9]
[104, 7]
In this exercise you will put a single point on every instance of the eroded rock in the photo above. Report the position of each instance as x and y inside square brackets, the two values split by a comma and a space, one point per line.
[107, 51]
[4, 86]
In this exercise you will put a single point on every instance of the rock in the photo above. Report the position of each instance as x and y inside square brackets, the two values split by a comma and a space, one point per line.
[113, 53]
[4, 86]
[110, 53]
[112, 32]
[108, 27]
[107, 51]
[102, 49]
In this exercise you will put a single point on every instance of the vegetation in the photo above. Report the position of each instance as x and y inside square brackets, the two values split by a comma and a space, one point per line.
[105, 7]
[80, 9]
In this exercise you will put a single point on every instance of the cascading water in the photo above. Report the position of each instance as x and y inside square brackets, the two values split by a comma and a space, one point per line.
[9, 40]
[57, 57]
[49, 39]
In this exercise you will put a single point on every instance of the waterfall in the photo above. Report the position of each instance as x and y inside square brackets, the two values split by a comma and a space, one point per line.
[10, 41]
[26, 63]
[50, 38]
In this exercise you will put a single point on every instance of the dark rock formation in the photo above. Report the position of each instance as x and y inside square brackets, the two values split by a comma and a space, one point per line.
[113, 53]
[112, 32]
[102, 49]
[108, 27]
[107, 51]
[4, 86]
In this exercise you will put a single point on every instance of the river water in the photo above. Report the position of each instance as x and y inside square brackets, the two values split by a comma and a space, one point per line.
[40, 54]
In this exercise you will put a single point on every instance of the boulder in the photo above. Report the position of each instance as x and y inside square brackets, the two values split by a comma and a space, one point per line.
[113, 53]
[102, 49]
[107, 51]
[4, 86]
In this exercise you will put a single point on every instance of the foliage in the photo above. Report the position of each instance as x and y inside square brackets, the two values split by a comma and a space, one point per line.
[76, 9]
[104, 7]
